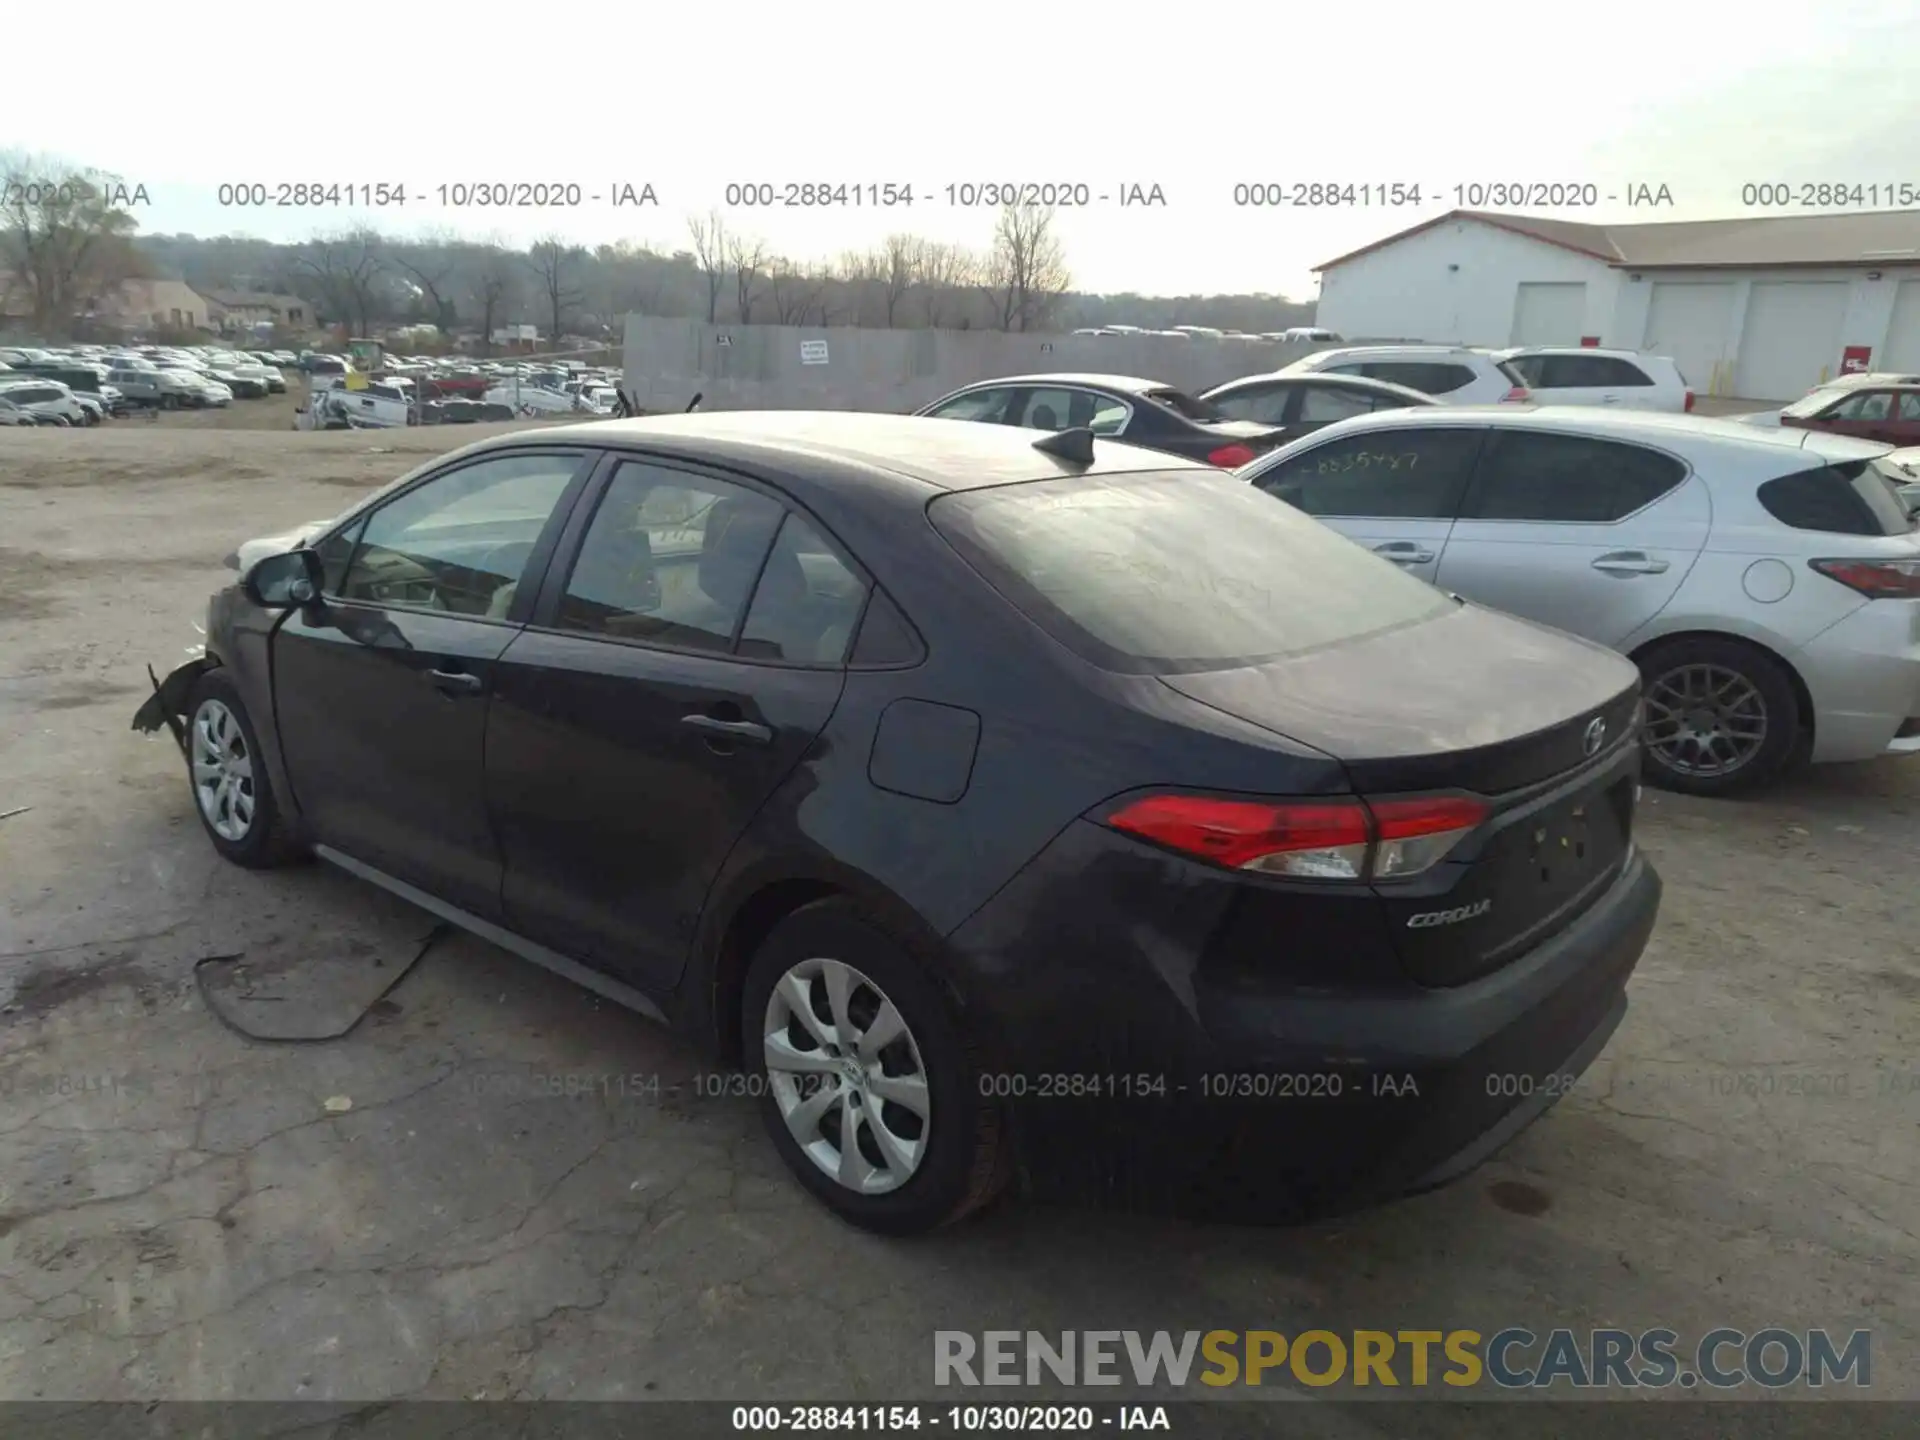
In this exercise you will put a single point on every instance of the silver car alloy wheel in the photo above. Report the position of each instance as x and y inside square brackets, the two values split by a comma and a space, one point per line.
[222, 771]
[847, 1076]
[1705, 720]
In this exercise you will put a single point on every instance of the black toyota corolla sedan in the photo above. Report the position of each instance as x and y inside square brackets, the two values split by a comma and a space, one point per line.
[1004, 804]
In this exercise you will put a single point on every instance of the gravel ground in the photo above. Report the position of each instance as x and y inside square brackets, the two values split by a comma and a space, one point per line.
[402, 1212]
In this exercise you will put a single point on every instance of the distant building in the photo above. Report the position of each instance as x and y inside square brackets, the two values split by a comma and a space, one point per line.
[250, 309]
[1762, 308]
[151, 305]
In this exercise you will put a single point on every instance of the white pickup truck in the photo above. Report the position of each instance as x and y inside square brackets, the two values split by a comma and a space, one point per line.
[383, 405]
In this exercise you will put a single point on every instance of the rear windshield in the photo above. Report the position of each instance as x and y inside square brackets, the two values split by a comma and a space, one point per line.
[1850, 499]
[1182, 403]
[1176, 571]
[1812, 404]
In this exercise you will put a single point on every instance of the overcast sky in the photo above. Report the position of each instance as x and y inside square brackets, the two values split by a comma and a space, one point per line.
[1700, 97]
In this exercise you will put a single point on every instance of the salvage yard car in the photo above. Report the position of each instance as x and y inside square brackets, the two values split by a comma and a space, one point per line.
[901, 761]
[1767, 582]
[1121, 407]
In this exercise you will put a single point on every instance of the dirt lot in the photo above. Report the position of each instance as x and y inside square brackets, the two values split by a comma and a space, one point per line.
[409, 1211]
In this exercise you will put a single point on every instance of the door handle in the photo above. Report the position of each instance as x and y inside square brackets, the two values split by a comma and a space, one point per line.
[1404, 552]
[1630, 562]
[751, 731]
[454, 681]
[1609, 399]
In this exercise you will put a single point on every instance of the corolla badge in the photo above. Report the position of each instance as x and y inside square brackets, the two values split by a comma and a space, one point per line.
[1596, 735]
[1428, 918]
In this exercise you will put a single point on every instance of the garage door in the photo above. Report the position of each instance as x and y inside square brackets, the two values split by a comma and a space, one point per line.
[1791, 340]
[1690, 322]
[1546, 314]
[1903, 335]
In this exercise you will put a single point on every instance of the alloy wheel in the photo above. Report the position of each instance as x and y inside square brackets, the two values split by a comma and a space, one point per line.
[222, 771]
[847, 1076]
[1705, 720]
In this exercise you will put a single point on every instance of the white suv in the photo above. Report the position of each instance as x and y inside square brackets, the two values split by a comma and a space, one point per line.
[1579, 375]
[1452, 374]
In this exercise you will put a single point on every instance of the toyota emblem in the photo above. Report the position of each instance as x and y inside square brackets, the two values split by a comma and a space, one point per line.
[1596, 735]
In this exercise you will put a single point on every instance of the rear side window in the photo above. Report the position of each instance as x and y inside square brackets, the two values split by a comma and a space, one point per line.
[1160, 572]
[1570, 479]
[1428, 377]
[1850, 499]
[1589, 371]
[1268, 407]
[1400, 474]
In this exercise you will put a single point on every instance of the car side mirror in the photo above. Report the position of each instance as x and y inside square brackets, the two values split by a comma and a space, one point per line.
[284, 582]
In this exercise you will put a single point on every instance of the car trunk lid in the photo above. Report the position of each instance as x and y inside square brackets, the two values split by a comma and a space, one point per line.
[1538, 724]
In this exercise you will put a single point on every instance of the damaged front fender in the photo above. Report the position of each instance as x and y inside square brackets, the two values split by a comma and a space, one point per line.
[168, 703]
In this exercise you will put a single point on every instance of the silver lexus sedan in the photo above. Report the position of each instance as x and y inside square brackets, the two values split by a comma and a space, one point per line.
[1767, 582]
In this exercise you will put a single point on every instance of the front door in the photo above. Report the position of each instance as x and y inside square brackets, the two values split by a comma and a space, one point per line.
[675, 674]
[1589, 536]
[381, 689]
[1393, 489]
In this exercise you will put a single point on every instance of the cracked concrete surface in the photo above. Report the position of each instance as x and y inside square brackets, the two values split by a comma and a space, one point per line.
[182, 1216]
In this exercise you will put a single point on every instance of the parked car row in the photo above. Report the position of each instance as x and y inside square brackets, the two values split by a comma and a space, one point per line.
[150, 376]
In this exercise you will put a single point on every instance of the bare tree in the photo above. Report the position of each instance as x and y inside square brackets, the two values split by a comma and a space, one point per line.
[749, 260]
[493, 282]
[797, 291]
[1026, 273]
[345, 269]
[430, 263]
[944, 274]
[554, 261]
[710, 257]
[894, 267]
[63, 237]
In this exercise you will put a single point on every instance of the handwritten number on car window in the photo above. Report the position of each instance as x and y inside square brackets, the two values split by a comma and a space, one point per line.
[1369, 460]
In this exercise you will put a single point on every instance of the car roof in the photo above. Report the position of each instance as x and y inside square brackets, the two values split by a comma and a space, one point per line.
[1648, 426]
[1333, 382]
[1132, 384]
[828, 448]
[1615, 352]
[1411, 349]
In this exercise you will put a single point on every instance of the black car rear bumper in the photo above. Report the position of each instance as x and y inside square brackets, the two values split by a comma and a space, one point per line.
[1135, 1071]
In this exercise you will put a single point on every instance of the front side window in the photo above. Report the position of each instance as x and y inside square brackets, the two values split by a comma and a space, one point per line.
[1863, 405]
[670, 557]
[1528, 475]
[988, 406]
[1910, 405]
[1158, 573]
[1428, 377]
[459, 541]
[1406, 474]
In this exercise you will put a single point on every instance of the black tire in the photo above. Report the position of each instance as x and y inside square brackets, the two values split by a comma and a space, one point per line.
[267, 842]
[1784, 741]
[966, 1160]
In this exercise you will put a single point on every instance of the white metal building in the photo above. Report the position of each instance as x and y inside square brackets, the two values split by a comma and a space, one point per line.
[1760, 308]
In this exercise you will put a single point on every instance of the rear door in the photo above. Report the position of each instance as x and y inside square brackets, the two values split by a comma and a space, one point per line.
[685, 651]
[1393, 489]
[1591, 536]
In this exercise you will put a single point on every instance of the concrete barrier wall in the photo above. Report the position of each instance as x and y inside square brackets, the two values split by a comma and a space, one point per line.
[766, 367]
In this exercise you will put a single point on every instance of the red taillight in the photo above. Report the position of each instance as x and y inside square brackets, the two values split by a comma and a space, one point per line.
[1876, 579]
[1689, 405]
[1308, 839]
[1517, 395]
[1231, 457]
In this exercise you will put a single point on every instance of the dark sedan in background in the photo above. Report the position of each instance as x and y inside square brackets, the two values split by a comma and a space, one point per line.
[990, 797]
[1299, 404]
[1115, 407]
